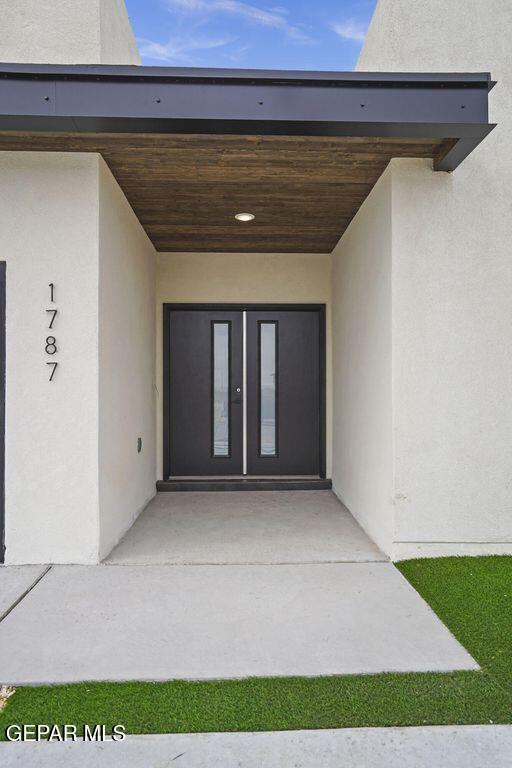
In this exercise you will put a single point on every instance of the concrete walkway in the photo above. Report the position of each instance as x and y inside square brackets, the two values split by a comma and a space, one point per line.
[324, 601]
[261, 527]
[164, 622]
[14, 582]
[429, 747]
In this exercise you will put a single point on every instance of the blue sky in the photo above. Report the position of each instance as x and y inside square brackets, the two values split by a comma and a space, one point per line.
[265, 34]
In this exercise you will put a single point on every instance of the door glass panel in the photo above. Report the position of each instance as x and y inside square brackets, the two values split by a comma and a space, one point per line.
[221, 375]
[268, 386]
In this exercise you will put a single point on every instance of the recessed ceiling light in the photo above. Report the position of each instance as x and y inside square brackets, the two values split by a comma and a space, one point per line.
[245, 216]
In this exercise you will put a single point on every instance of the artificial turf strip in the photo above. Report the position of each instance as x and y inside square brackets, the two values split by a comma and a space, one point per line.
[267, 704]
[472, 596]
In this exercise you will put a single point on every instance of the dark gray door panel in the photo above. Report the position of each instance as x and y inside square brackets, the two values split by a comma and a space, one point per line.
[293, 447]
[206, 433]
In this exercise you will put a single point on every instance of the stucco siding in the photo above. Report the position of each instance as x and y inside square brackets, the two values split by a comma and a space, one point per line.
[74, 479]
[117, 40]
[362, 361]
[452, 283]
[452, 317]
[126, 364]
[66, 32]
[49, 234]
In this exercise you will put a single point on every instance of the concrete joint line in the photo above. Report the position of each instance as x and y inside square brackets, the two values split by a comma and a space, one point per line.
[385, 561]
[489, 543]
[36, 581]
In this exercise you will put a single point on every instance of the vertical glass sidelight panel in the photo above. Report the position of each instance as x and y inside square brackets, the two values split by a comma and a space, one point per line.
[268, 389]
[221, 387]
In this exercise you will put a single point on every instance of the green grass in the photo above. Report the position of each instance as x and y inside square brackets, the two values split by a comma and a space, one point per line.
[473, 596]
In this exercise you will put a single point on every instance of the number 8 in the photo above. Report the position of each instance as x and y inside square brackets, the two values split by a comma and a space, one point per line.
[51, 345]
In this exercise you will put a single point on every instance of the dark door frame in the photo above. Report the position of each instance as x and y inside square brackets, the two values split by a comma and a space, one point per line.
[2, 409]
[226, 307]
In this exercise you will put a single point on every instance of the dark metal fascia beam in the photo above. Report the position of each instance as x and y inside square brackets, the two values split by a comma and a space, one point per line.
[253, 76]
[102, 99]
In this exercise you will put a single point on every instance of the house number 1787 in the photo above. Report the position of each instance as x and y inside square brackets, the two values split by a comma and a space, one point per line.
[51, 341]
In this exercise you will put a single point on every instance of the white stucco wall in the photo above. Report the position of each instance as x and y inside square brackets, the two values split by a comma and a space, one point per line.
[452, 283]
[243, 277]
[117, 40]
[74, 479]
[126, 364]
[66, 32]
[362, 367]
[49, 233]
[453, 358]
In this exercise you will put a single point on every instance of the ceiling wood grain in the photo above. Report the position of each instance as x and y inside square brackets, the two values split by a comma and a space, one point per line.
[186, 189]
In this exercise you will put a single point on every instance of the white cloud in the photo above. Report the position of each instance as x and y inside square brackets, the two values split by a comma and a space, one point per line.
[238, 54]
[349, 30]
[275, 18]
[180, 50]
[187, 5]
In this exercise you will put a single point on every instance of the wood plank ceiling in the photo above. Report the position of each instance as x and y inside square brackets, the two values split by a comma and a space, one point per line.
[186, 189]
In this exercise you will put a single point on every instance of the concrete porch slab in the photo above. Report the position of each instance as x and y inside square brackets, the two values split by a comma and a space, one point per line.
[204, 622]
[249, 527]
[15, 580]
[466, 746]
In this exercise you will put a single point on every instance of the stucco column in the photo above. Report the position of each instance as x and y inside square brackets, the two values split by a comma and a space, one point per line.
[66, 32]
[451, 286]
[49, 234]
[59, 505]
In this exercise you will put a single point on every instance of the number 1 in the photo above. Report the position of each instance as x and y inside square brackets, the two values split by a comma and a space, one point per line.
[51, 287]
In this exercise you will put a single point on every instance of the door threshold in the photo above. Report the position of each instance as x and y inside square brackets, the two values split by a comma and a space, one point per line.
[223, 478]
[245, 484]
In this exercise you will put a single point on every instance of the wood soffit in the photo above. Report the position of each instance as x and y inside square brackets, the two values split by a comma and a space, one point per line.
[186, 189]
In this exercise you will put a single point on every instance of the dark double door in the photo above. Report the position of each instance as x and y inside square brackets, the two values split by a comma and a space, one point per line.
[244, 391]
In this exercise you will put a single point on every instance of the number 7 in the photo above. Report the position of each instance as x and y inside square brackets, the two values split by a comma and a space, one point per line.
[53, 371]
[52, 312]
